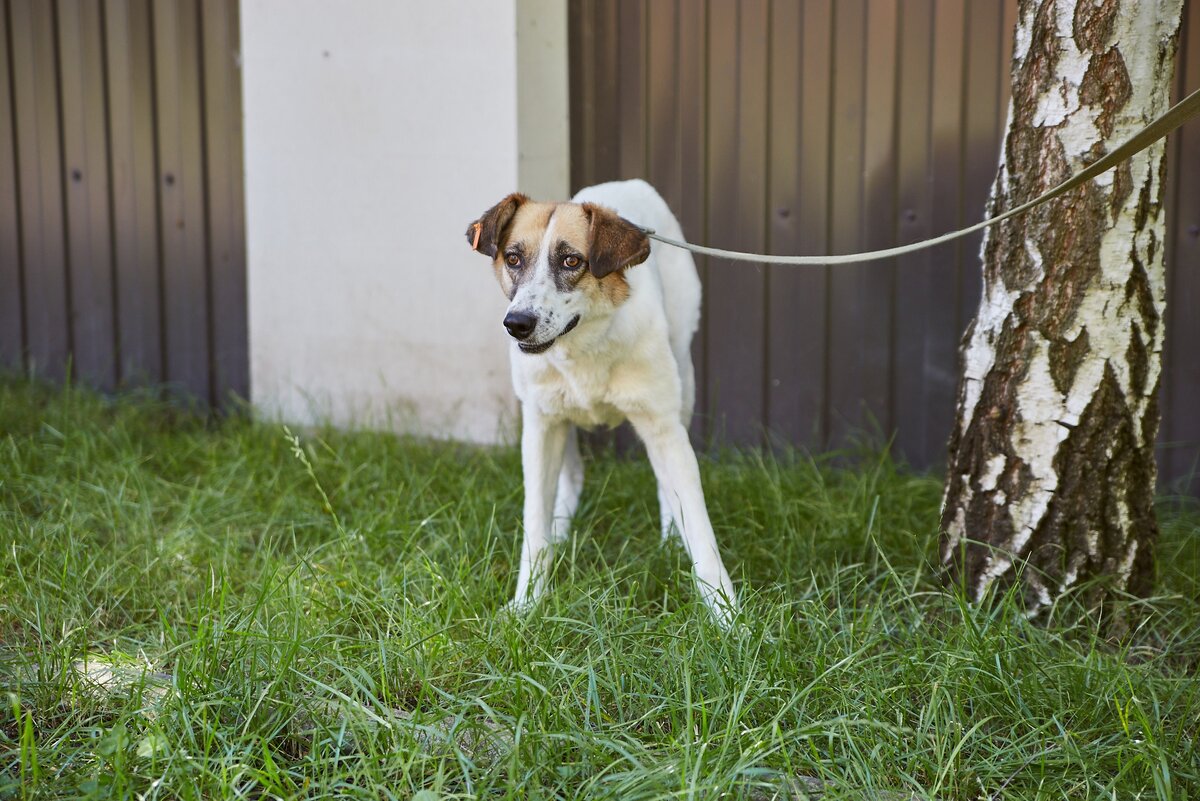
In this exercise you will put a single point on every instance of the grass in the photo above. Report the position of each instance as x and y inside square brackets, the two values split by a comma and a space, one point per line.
[192, 609]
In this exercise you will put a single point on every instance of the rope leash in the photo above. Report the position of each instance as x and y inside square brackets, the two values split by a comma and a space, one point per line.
[1174, 117]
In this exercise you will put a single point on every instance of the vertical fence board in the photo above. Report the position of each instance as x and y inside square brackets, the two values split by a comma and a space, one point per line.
[721, 198]
[12, 344]
[939, 309]
[224, 201]
[816, 188]
[665, 107]
[736, 291]
[35, 89]
[631, 123]
[922, 380]
[181, 196]
[784, 341]
[608, 103]
[631, 88]
[581, 44]
[1180, 462]
[875, 282]
[846, 336]
[85, 163]
[134, 204]
[662, 96]
[796, 207]
[672, 122]
[692, 144]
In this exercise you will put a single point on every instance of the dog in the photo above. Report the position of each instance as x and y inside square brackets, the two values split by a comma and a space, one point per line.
[601, 327]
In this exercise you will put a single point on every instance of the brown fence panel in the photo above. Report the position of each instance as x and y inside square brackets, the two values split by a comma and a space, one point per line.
[737, 125]
[1180, 433]
[810, 126]
[130, 76]
[34, 69]
[692, 100]
[922, 307]
[85, 159]
[862, 214]
[224, 200]
[798, 181]
[122, 236]
[11, 326]
[181, 194]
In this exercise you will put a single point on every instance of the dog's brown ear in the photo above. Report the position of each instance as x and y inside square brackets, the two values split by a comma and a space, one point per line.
[615, 242]
[484, 234]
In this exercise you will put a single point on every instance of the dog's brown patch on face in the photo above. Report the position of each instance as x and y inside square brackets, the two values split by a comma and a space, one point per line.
[522, 237]
[573, 230]
[485, 234]
[613, 288]
[614, 242]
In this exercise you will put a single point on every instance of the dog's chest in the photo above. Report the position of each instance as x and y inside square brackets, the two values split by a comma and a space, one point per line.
[586, 393]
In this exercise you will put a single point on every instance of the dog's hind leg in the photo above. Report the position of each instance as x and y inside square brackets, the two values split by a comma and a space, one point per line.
[570, 485]
[687, 379]
[678, 474]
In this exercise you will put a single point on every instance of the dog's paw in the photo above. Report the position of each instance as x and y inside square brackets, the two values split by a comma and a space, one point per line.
[723, 609]
[518, 607]
[560, 531]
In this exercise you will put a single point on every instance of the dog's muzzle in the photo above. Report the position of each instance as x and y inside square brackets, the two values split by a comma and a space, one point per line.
[529, 347]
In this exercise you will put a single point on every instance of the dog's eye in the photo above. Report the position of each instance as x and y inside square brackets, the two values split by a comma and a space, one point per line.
[512, 260]
[572, 262]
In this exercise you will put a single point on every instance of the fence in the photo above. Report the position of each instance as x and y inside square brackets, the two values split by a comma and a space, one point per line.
[122, 242]
[816, 126]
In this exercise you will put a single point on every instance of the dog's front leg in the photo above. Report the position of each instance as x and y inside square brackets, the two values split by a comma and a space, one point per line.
[543, 441]
[678, 474]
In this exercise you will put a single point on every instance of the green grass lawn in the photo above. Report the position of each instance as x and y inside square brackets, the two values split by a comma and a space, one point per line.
[182, 615]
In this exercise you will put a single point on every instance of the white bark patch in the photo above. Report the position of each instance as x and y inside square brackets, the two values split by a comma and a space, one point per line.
[995, 466]
[980, 354]
[1126, 566]
[1024, 37]
[959, 526]
[1036, 438]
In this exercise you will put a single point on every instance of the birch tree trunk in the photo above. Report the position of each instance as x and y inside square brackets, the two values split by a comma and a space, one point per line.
[1051, 466]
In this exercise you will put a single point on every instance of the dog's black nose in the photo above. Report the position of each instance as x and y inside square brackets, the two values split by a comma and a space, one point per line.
[520, 324]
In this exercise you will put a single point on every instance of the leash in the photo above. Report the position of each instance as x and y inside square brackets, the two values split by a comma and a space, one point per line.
[1174, 117]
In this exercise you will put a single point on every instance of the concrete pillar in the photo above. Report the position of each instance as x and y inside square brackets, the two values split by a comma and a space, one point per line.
[375, 131]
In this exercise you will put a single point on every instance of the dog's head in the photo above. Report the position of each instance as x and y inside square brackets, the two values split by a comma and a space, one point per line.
[557, 263]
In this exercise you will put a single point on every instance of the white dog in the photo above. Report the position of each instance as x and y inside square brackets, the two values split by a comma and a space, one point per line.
[601, 329]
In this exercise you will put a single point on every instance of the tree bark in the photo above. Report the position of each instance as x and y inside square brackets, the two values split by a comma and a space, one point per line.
[1051, 466]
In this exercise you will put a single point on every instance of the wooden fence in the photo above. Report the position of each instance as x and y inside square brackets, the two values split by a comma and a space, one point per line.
[815, 126]
[122, 242]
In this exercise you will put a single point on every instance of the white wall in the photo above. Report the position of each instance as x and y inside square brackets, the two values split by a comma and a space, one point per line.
[375, 131]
